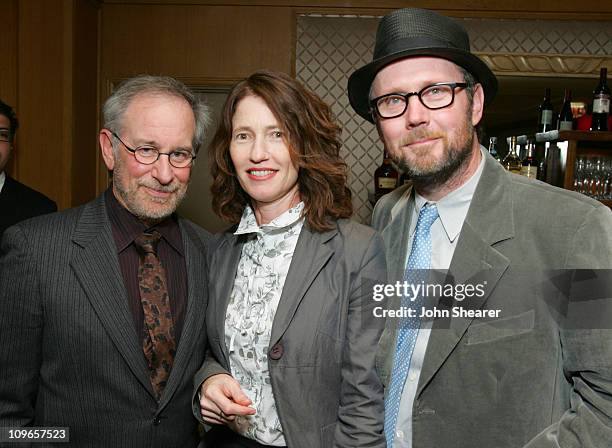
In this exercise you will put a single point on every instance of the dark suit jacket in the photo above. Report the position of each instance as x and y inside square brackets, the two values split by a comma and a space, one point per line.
[70, 355]
[541, 374]
[323, 340]
[19, 202]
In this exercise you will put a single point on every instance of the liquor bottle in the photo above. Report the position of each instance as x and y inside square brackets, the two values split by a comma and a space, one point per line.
[566, 118]
[385, 178]
[512, 162]
[530, 164]
[493, 149]
[542, 160]
[601, 103]
[545, 116]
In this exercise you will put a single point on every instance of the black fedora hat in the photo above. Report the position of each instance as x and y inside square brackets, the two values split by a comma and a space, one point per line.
[417, 32]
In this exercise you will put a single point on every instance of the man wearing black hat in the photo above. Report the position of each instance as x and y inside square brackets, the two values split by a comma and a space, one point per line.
[518, 354]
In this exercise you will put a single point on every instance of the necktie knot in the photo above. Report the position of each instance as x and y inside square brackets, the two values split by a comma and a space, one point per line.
[427, 216]
[146, 243]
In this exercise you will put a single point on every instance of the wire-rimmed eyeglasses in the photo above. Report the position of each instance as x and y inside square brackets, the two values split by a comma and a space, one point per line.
[148, 155]
[434, 96]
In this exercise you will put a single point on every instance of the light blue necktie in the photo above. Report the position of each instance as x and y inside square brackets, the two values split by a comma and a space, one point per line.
[408, 327]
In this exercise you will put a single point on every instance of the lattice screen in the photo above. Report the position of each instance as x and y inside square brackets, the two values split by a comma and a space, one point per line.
[329, 48]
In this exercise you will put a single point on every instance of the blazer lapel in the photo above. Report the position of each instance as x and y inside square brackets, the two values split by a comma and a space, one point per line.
[97, 268]
[195, 314]
[310, 255]
[222, 287]
[475, 261]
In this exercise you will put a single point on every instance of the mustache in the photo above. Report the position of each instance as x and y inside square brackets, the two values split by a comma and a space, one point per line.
[152, 183]
[418, 135]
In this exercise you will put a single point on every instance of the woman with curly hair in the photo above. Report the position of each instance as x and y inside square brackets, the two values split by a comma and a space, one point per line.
[293, 337]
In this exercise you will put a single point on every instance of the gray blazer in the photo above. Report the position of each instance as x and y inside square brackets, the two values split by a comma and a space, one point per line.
[70, 355]
[532, 377]
[323, 341]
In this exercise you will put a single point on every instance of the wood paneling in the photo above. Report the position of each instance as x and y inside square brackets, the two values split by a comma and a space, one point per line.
[84, 102]
[43, 151]
[195, 41]
[568, 9]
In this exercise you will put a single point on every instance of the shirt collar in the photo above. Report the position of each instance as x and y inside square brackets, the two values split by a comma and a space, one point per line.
[248, 222]
[128, 227]
[453, 207]
[2, 180]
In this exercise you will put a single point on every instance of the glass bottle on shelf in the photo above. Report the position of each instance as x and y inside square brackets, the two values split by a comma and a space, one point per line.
[530, 165]
[601, 103]
[512, 162]
[545, 115]
[543, 154]
[493, 149]
[565, 122]
[385, 177]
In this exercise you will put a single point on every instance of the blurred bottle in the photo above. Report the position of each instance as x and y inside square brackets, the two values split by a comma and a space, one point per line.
[385, 177]
[545, 116]
[512, 162]
[530, 164]
[493, 149]
[601, 103]
[566, 119]
[542, 159]
[554, 171]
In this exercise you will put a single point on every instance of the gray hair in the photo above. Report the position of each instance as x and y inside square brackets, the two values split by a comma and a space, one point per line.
[116, 105]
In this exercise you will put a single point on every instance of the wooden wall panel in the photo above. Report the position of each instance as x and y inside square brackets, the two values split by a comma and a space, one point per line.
[43, 153]
[84, 101]
[568, 9]
[195, 41]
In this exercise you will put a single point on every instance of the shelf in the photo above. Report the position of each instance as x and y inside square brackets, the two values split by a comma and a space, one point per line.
[589, 136]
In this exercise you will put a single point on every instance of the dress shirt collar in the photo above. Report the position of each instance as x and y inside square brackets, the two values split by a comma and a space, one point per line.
[2, 180]
[128, 226]
[248, 222]
[453, 207]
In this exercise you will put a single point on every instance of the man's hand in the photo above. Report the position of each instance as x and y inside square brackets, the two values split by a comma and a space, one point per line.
[222, 399]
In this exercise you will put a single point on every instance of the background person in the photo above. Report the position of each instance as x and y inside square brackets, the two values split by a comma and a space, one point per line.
[289, 313]
[17, 201]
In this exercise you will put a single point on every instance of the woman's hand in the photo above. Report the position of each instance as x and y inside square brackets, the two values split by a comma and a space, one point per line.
[222, 399]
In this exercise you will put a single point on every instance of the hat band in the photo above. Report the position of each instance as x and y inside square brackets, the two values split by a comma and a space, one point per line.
[408, 44]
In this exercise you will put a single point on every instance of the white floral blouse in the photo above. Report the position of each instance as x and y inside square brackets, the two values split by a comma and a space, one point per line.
[262, 270]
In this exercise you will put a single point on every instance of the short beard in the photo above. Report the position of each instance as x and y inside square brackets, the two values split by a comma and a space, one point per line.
[141, 209]
[455, 159]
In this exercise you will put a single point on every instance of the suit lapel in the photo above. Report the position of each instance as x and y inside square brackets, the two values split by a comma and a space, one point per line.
[475, 261]
[195, 314]
[97, 267]
[310, 255]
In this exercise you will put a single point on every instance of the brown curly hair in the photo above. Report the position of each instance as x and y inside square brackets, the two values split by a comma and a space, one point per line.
[313, 138]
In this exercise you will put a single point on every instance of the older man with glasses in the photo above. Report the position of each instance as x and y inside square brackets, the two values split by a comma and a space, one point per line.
[17, 201]
[101, 307]
[513, 345]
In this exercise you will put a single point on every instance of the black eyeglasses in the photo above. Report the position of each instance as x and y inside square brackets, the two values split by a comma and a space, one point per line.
[148, 155]
[435, 96]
